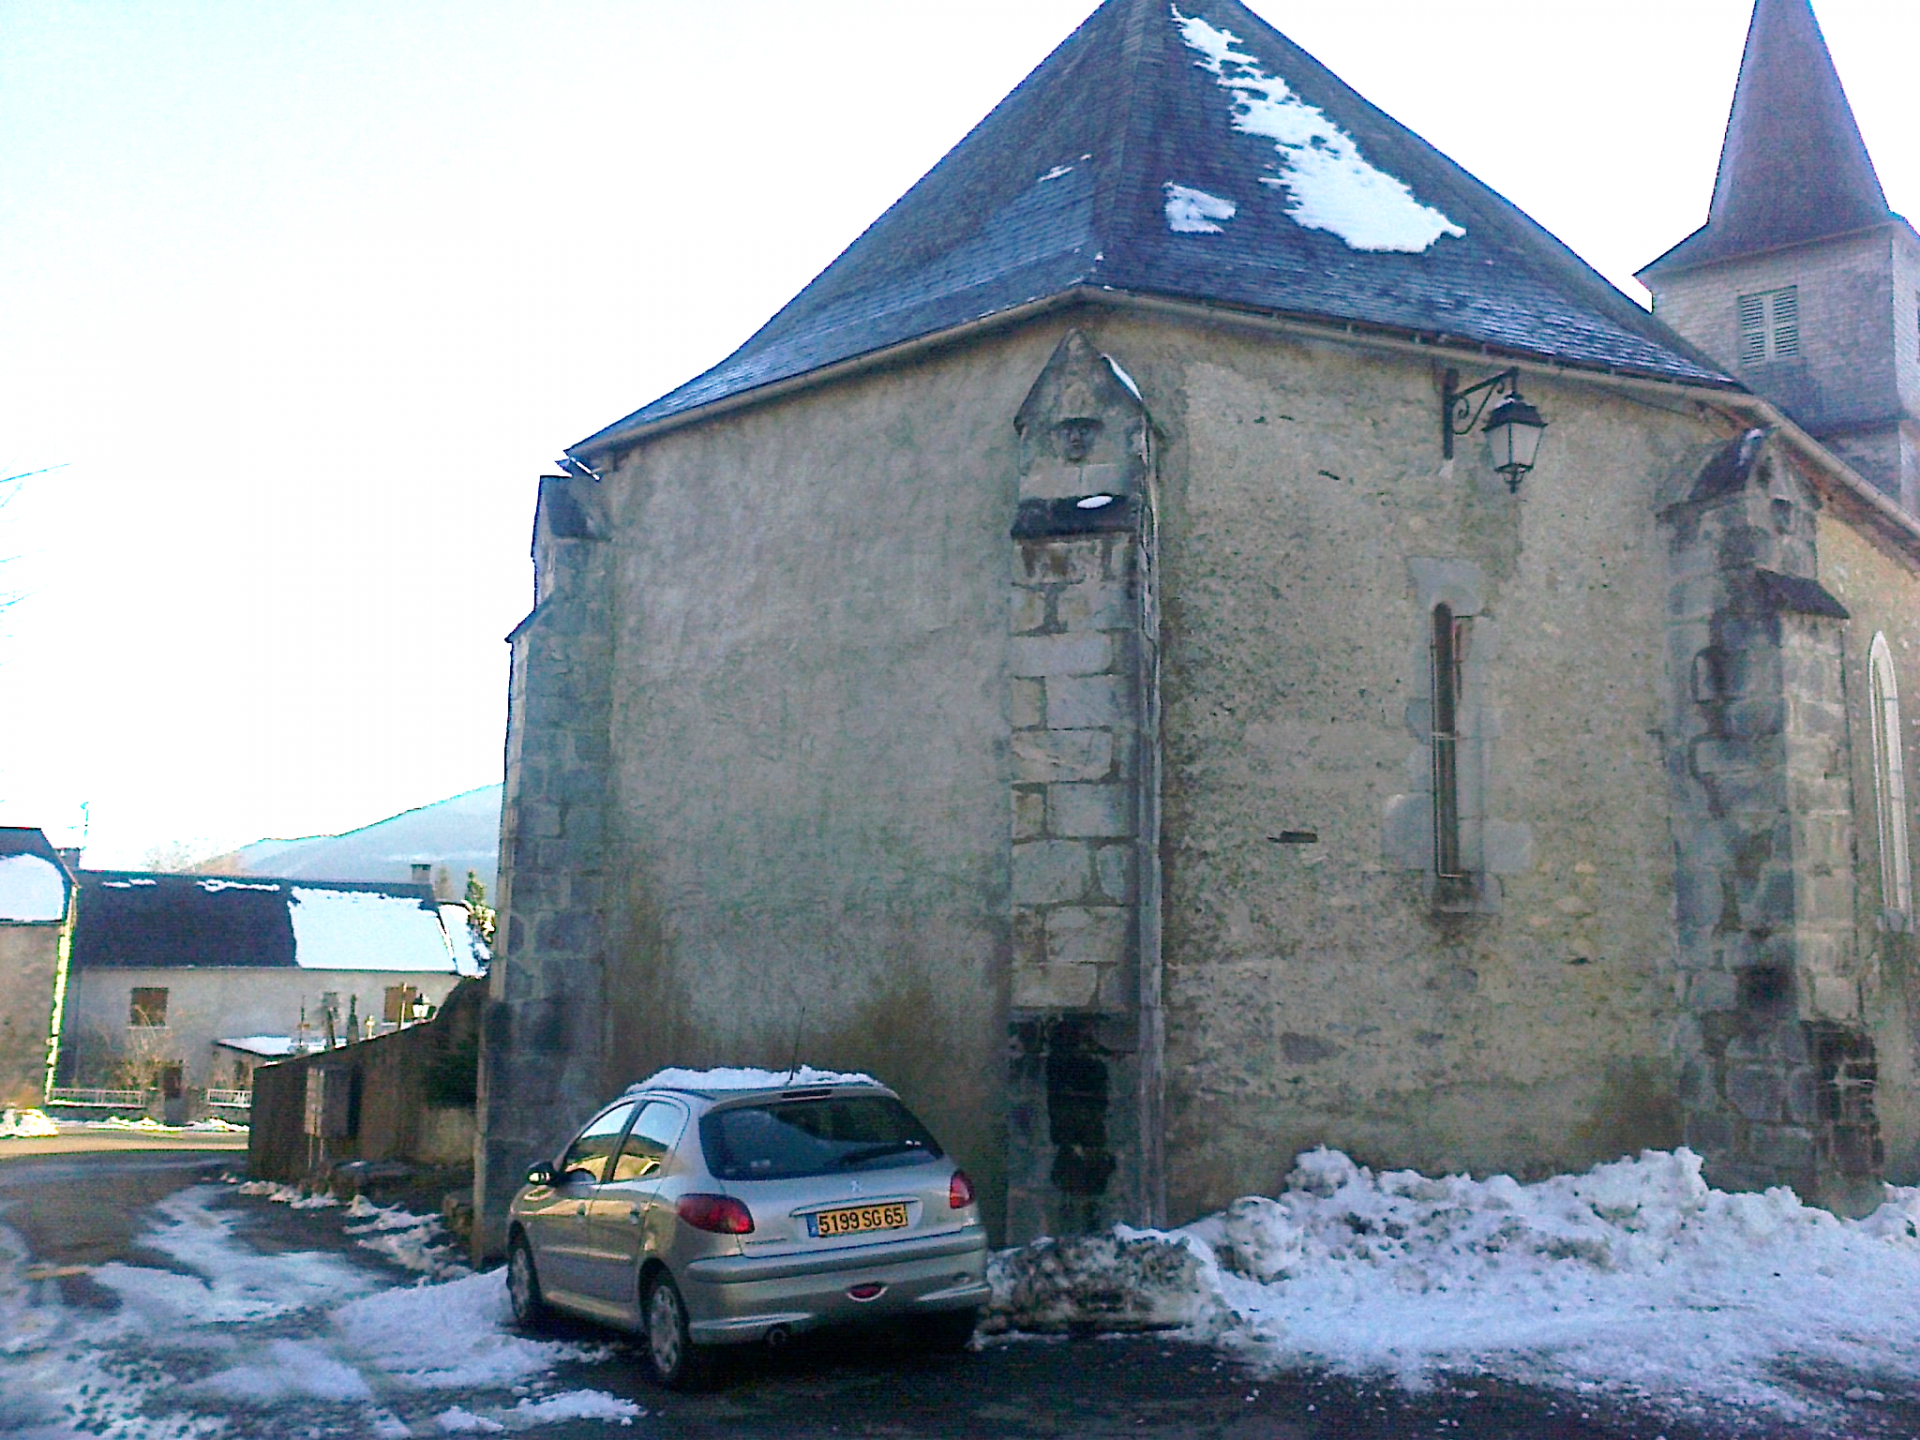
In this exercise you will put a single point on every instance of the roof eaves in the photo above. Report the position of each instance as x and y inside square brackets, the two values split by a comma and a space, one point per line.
[1335, 327]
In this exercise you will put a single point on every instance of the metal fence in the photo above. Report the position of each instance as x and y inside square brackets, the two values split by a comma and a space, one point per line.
[99, 1099]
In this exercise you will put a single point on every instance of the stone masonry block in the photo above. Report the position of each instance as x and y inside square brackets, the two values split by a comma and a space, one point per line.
[539, 819]
[1092, 935]
[1757, 1092]
[1029, 940]
[1783, 1147]
[1096, 605]
[1056, 987]
[1051, 872]
[1045, 756]
[1114, 866]
[1029, 814]
[1040, 562]
[1086, 702]
[1089, 811]
[1712, 990]
[1029, 610]
[1766, 901]
[1836, 997]
[1027, 704]
[1082, 653]
[1804, 1096]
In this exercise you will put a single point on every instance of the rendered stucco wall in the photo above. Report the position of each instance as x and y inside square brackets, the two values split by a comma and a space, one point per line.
[1879, 587]
[208, 1005]
[1313, 993]
[29, 967]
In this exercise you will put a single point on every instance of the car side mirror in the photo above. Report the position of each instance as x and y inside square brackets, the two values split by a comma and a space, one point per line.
[541, 1174]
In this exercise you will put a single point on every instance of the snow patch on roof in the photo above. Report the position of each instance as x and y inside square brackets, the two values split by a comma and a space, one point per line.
[126, 884]
[1054, 174]
[362, 930]
[1193, 212]
[214, 887]
[1330, 184]
[31, 889]
[270, 1047]
[748, 1078]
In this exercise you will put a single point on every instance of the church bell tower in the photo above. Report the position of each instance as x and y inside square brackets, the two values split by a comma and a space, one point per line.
[1803, 283]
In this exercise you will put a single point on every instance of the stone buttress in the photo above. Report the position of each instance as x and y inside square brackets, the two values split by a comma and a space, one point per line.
[540, 1067]
[1084, 1084]
[1776, 1066]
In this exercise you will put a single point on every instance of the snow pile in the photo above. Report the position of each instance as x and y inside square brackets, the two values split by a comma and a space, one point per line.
[32, 889]
[23, 1124]
[451, 1336]
[1126, 1280]
[1195, 212]
[1635, 1277]
[1330, 185]
[577, 1405]
[417, 1242]
[747, 1078]
[293, 1369]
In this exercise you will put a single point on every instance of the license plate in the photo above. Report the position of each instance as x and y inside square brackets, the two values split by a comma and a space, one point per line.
[859, 1218]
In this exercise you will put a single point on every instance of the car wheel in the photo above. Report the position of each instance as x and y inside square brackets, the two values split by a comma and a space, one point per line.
[949, 1330]
[675, 1360]
[530, 1311]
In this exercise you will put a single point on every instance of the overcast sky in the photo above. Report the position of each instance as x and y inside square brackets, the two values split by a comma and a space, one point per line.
[302, 297]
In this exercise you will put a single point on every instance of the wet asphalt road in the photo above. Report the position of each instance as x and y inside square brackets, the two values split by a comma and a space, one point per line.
[73, 1213]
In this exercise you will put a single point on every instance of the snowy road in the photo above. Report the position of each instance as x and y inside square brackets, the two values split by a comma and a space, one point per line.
[142, 1297]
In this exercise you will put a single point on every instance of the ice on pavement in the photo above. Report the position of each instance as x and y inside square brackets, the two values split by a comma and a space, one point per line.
[1634, 1277]
[227, 1333]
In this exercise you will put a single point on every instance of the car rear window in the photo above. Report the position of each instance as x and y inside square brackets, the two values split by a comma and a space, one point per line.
[785, 1139]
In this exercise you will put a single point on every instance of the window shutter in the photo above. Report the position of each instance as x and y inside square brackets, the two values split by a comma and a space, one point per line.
[1753, 329]
[1786, 322]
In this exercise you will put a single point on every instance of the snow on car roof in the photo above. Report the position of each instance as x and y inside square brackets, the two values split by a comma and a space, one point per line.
[747, 1078]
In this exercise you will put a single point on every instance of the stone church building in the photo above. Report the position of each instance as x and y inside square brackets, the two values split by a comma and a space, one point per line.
[1088, 661]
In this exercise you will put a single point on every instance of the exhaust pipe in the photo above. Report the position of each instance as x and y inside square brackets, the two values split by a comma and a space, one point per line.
[778, 1337]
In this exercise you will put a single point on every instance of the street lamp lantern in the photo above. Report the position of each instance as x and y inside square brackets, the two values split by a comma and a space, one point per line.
[1513, 430]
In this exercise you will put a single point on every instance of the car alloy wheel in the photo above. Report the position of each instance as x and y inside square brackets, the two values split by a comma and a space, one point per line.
[530, 1311]
[677, 1362]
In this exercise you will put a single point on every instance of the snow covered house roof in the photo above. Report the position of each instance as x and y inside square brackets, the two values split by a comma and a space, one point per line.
[1793, 167]
[1190, 151]
[140, 920]
[33, 883]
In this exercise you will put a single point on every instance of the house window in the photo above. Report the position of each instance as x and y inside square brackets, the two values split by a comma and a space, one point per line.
[1448, 651]
[1889, 780]
[148, 1006]
[1770, 325]
[400, 1000]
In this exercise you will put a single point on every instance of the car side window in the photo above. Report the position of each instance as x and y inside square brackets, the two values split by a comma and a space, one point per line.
[593, 1145]
[649, 1142]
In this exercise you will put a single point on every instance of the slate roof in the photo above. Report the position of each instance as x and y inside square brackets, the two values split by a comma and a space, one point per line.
[1066, 185]
[150, 920]
[1793, 167]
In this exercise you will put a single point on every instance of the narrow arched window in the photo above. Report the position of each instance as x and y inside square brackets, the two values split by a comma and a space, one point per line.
[1889, 779]
[1449, 636]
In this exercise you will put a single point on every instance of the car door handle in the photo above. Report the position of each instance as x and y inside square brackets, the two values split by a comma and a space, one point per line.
[633, 1214]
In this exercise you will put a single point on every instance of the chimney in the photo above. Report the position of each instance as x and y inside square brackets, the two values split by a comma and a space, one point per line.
[423, 872]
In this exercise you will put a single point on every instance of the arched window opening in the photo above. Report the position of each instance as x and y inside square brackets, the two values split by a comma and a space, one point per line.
[1448, 652]
[1889, 779]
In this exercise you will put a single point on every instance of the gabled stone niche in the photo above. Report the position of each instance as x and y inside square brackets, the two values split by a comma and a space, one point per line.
[1777, 1068]
[1085, 1026]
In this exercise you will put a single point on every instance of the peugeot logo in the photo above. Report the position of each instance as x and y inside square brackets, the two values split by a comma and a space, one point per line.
[853, 1187]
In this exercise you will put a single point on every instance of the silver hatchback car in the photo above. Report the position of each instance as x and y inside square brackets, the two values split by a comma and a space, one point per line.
[700, 1215]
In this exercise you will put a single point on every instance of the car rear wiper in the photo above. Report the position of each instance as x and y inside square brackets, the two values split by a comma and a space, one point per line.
[874, 1152]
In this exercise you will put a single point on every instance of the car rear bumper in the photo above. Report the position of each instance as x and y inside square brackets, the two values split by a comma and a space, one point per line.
[736, 1299]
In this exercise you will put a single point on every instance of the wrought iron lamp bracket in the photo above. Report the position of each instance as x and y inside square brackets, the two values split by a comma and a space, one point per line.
[1459, 412]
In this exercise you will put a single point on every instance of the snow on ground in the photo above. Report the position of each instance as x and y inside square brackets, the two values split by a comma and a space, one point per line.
[228, 1335]
[1634, 1278]
[748, 1078]
[19, 1124]
[1330, 185]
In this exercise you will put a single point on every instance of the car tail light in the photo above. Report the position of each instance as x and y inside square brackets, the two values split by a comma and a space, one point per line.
[722, 1214]
[959, 1191]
